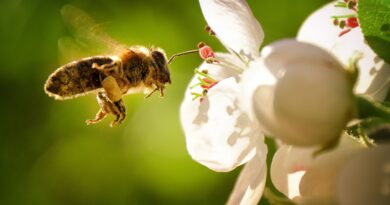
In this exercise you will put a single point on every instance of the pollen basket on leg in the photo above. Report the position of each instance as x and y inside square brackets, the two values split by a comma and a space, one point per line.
[76, 78]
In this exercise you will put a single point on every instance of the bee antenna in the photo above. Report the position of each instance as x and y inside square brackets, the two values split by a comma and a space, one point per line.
[181, 54]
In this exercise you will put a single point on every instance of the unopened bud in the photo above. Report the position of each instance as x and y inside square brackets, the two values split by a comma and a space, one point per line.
[310, 98]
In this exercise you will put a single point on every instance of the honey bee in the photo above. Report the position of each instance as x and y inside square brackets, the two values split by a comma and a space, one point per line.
[127, 70]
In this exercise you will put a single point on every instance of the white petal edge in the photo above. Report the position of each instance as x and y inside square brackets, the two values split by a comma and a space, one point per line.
[218, 134]
[234, 24]
[258, 78]
[250, 184]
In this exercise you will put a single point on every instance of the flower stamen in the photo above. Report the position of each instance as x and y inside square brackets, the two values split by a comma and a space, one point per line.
[346, 22]
[205, 82]
[207, 54]
[209, 30]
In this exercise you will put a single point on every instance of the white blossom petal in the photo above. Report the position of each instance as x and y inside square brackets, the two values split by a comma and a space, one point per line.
[287, 168]
[374, 73]
[250, 184]
[315, 177]
[365, 179]
[318, 29]
[321, 177]
[234, 24]
[257, 78]
[221, 71]
[218, 134]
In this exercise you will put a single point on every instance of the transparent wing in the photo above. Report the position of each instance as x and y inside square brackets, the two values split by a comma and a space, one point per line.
[70, 50]
[89, 37]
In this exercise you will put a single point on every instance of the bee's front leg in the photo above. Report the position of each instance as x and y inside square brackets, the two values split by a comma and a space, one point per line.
[151, 93]
[161, 88]
[158, 88]
[108, 107]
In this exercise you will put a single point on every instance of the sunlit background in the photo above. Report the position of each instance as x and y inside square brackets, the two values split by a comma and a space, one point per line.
[47, 153]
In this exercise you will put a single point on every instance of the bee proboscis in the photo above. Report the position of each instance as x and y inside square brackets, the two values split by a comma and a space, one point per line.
[127, 70]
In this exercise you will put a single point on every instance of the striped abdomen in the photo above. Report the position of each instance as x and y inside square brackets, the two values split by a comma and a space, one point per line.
[76, 78]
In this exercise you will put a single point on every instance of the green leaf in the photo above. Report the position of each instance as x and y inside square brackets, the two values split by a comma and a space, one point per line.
[368, 108]
[374, 19]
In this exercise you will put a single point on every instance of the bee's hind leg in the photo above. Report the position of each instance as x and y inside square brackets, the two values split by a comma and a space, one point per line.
[103, 101]
[119, 111]
[107, 107]
[99, 117]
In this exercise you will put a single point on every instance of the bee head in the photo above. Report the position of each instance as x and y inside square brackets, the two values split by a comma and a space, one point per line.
[163, 75]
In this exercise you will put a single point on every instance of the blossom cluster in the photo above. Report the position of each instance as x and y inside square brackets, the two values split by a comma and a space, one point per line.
[299, 92]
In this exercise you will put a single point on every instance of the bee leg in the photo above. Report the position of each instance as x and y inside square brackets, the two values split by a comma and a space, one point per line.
[112, 89]
[151, 92]
[108, 107]
[104, 109]
[114, 100]
[119, 111]
[99, 117]
[161, 91]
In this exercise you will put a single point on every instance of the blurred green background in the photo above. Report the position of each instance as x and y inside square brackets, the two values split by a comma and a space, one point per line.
[47, 153]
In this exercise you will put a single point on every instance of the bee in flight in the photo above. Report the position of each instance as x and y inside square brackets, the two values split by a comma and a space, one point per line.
[127, 70]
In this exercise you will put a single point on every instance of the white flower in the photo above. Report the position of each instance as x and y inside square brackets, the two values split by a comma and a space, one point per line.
[242, 88]
[336, 177]
[218, 133]
[374, 73]
[347, 175]
[365, 179]
[310, 179]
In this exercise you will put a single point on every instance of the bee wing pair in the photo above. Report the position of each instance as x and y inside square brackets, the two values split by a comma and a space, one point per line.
[88, 37]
